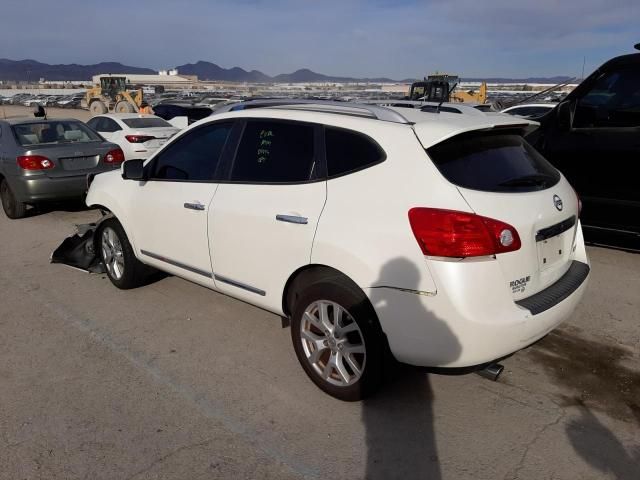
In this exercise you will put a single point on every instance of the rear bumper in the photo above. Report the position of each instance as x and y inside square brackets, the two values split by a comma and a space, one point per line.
[42, 188]
[469, 321]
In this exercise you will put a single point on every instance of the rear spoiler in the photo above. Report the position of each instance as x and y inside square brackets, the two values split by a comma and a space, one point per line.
[523, 128]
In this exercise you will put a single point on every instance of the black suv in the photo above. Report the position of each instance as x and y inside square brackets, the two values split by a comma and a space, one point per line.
[593, 137]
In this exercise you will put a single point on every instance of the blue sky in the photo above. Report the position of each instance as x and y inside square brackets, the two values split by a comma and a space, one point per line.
[398, 39]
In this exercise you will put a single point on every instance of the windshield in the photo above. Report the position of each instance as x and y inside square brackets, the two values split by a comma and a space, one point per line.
[53, 132]
[146, 122]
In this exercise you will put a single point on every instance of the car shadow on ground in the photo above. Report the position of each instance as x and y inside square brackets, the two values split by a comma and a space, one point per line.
[399, 422]
[599, 378]
[598, 375]
[600, 448]
[70, 206]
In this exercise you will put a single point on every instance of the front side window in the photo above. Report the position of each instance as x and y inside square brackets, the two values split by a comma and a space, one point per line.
[194, 156]
[350, 151]
[275, 152]
[614, 101]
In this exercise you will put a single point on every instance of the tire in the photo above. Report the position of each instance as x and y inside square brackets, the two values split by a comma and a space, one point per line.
[11, 206]
[112, 246]
[97, 107]
[124, 107]
[322, 353]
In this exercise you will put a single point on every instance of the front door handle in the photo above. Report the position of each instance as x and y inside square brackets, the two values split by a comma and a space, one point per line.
[292, 219]
[194, 206]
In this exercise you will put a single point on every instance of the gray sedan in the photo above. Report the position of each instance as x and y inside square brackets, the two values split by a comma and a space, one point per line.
[47, 160]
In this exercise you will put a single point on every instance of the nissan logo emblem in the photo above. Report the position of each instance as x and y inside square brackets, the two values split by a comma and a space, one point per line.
[557, 201]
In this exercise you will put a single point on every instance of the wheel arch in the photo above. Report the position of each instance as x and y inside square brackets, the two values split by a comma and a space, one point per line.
[307, 275]
[112, 213]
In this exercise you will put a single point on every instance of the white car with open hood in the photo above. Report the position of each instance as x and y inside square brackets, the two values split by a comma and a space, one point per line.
[441, 236]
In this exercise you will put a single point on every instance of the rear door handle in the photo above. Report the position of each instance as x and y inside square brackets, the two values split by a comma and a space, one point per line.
[194, 206]
[292, 219]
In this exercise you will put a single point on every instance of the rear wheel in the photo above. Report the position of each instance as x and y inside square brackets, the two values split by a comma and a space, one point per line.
[123, 268]
[124, 107]
[337, 339]
[11, 206]
[97, 107]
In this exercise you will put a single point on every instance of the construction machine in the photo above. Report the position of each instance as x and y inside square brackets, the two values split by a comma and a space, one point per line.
[111, 94]
[442, 88]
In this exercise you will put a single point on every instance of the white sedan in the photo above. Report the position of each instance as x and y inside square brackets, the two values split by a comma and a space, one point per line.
[530, 111]
[138, 135]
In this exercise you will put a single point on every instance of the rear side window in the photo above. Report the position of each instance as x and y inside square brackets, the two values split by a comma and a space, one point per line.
[493, 162]
[275, 152]
[350, 151]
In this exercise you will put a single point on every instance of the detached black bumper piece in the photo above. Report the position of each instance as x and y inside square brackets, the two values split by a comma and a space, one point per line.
[553, 295]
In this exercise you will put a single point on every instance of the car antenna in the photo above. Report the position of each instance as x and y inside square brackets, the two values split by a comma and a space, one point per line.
[447, 97]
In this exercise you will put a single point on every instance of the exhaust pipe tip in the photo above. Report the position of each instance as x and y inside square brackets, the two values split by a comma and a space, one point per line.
[491, 371]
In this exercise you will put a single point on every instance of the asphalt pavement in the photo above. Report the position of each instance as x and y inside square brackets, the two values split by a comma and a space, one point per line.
[172, 380]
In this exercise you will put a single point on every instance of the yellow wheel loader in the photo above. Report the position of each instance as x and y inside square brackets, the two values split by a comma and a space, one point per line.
[442, 88]
[111, 95]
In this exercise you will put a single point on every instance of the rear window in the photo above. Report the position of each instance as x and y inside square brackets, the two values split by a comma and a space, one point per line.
[54, 132]
[493, 162]
[146, 122]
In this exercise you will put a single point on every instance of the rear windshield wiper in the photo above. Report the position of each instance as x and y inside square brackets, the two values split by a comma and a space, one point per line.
[535, 179]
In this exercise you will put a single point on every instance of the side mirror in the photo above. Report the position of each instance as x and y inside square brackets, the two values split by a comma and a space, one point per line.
[564, 116]
[133, 170]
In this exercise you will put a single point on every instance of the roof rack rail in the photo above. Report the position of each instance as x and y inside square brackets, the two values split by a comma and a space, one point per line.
[430, 107]
[377, 112]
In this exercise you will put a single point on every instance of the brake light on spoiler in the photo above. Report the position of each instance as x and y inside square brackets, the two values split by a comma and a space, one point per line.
[450, 233]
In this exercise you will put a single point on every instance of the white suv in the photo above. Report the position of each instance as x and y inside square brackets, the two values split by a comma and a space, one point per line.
[442, 236]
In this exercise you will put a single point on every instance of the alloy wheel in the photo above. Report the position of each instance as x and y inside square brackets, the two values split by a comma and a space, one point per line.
[112, 253]
[333, 343]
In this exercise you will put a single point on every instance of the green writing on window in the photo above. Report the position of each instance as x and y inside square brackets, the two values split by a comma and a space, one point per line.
[264, 145]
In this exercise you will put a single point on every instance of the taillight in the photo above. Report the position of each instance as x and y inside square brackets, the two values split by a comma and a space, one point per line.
[138, 138]
[114, 156]
[34, 162]
[449, 233]
[579, 202]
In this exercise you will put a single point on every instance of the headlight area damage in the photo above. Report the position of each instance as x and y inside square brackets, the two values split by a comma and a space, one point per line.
[79, 250]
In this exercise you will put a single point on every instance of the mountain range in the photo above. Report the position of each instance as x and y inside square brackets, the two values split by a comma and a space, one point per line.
[32, 70]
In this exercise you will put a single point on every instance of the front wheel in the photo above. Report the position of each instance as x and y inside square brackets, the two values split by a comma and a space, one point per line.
[337, 339]
[97, 107]
[123, 107]
[123, 268]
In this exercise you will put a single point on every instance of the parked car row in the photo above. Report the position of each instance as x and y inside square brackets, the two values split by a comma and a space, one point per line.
[30, 100]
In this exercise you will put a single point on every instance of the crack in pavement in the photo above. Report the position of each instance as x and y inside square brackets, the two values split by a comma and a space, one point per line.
[516, 470]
